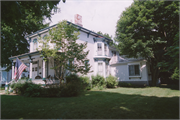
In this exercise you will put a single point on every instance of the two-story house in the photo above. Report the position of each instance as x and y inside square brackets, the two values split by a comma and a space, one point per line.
[103, 58]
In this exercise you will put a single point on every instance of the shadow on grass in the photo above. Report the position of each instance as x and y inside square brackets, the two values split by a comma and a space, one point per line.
[91, 105]
[171, 86]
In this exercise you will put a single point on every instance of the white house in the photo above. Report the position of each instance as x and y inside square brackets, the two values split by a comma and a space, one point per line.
[5, 76]
[103, 58]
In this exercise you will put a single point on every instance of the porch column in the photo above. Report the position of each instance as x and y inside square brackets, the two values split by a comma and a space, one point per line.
[44, 70]
[12, 70]
[30, 69]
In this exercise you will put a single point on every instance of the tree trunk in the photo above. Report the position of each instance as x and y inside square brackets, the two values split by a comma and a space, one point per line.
[154, 72]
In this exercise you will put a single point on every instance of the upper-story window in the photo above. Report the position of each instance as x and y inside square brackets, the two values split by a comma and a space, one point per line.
[99, 48]
[44, 37]
[35, 44]
[114, 58]
[105, 49]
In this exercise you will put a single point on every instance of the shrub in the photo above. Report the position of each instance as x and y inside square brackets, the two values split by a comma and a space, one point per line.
[73, 86]
[111, 81]
[70, 89]
[86, 82]
[27, 89]
[52, 91]
[72, 78]
[98, 81]
[32, 89]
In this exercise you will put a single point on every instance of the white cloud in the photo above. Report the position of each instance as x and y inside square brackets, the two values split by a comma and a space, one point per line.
[100, 15]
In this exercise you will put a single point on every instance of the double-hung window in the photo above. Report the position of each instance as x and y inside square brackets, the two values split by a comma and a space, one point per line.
[44, 38]
[114, 56]
[100, 69]
[105, 49]
[134, 70]
[35, 44]
[99, 48]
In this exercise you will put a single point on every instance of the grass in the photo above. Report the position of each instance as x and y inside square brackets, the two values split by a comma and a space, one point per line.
[119, 103]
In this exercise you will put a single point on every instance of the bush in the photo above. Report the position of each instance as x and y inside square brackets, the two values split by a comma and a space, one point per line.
[98, 81]
[111, 81]
[86, 82]
[27, 89]
[52, 91]
[72, 78]
[73, 87]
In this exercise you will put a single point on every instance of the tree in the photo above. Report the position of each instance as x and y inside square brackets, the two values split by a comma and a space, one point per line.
[20, 18]
[171, 63]
[147, 29]
[105, 34]
[69, 56]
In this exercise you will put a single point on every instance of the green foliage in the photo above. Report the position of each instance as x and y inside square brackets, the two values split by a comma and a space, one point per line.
[2, 88]
[71, 58]
[146, 29]
[51, 91]
[98, 81]
[86, 82]
[20, 18]
[111, 81]
[74, 86]
[72, 78]
[28, 89]
[175, 75]
[71, 89]
[105, 35]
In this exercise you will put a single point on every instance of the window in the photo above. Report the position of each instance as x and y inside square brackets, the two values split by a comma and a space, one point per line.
[134, 70]
[100, 69]
[44, 38]
[105, 49]
[99, 45]
[114, 56]
[35, 44]
[106, 69]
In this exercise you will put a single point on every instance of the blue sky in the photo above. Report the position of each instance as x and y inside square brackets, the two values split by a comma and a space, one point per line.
[97, 15]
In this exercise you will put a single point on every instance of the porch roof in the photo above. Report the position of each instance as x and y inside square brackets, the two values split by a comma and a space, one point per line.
[25, 55]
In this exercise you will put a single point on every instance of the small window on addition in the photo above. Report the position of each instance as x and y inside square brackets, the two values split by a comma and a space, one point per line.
[134, 70]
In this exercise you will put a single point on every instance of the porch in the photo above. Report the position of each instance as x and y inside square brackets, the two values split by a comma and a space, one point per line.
[39, 71]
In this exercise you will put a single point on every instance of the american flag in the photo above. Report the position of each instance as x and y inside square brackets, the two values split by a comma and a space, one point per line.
[19, 68]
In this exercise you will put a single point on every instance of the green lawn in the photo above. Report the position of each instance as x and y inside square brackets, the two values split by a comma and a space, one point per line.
[119, 103]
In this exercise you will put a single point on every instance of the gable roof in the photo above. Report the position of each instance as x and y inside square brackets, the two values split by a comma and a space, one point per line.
[79, 27]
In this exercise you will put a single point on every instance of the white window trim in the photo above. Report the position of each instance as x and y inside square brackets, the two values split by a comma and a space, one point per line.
[36, 44]
[139, 69]
[98, 68]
